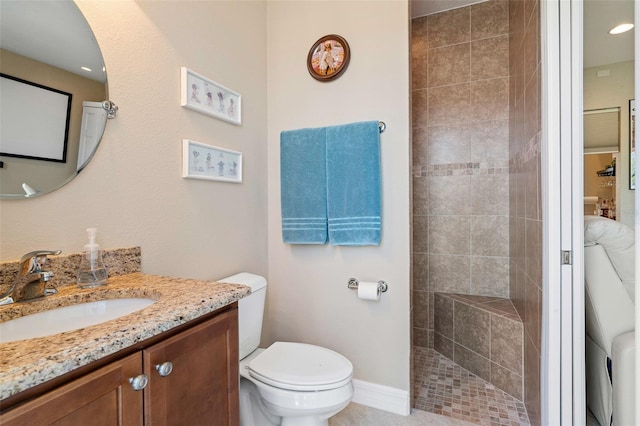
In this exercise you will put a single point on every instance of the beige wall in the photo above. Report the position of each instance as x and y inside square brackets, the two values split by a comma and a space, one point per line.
[460, 92]
[45, 175]
[308, 296]
[615, 91]
[133, 191]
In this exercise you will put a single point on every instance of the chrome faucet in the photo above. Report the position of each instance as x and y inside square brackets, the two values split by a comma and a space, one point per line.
[32, 279]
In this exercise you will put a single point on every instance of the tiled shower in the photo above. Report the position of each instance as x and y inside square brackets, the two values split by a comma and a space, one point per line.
[476, 161]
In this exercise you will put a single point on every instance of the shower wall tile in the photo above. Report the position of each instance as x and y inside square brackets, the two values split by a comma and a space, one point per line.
[419, 72]
[489, 99]
[420, 196]
[419, 41]
[490, 276]
[533, 313]
[532, 381]
[531, 43]
[531, 189]
[443, 345]
[419, 270]
[449, 273]
[419, 109]
[443, 322]
[449, 234]
[533, 250]
[449, 65]
[449, 144]
[420, 337]
[506, 343]
[472, 361]
[506, 380]
[490, 235]
[524, 169]
[471, 327]
[449, 195]
[420, 146]
[489, 19]
[431, 309]
[420, 234]
[421, 309]
[490, 194]
[462, 170]
[448, 104]
[489, 58]
[489, 142]
[531, 108]
[450, 27]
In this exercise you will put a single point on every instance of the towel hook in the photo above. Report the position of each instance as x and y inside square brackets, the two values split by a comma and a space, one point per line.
[382, 126]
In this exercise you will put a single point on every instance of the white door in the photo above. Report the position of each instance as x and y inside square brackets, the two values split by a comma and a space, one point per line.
[94, 120]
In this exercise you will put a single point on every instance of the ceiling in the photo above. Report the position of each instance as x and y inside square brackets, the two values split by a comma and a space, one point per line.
[53, 32]
[600, 48]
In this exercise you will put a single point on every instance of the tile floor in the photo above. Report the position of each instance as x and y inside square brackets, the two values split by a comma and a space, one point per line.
[443, 387]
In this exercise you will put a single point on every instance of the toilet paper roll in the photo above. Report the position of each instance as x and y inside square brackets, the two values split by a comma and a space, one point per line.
[368, 290]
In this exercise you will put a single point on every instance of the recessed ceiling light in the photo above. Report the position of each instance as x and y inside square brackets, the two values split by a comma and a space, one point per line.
[86, 69]
[622, 28]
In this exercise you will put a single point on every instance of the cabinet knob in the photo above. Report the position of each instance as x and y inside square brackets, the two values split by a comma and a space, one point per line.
[139, 382]
[165, 368]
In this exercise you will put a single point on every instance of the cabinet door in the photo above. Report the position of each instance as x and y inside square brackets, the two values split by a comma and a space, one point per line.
[101, 398]
[202, 387]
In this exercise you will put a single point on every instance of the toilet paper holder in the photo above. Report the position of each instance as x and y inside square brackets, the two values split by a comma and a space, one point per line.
[353, 285]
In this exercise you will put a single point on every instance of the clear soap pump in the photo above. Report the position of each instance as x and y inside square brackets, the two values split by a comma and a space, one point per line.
[91, 272]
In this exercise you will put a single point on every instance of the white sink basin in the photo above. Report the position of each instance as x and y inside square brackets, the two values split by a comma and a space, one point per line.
[68, 318]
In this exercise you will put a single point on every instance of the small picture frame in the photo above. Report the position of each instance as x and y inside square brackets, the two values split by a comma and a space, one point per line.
[201, 161]
[328, 58]
[208, 97]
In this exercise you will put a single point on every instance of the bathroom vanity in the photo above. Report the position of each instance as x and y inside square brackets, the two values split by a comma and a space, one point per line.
[174, 362]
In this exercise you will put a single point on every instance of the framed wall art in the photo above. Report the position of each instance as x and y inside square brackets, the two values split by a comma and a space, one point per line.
[328, 58]
[201, 161]
[208, 97]
[632, 144]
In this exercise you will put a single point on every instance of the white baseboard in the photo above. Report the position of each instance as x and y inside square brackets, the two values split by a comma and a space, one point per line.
[381, 397]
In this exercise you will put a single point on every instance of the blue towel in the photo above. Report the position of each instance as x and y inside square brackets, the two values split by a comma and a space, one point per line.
[303, 186]
[354, 184]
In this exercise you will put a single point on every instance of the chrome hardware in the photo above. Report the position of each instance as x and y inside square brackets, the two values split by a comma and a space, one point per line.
[382, 126]
[32, 279]
[165, 368]
[353, 285]
[139, 382]
[111, 108]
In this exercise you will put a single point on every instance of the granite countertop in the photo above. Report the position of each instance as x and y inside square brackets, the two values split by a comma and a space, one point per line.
[27, 363]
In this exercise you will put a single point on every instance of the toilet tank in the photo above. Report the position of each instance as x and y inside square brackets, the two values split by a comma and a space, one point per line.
[250, 310]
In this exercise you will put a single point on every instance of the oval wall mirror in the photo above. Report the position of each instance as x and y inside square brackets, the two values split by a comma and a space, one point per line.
[53, 86]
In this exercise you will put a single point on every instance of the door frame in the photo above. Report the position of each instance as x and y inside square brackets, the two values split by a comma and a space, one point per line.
[562, 390]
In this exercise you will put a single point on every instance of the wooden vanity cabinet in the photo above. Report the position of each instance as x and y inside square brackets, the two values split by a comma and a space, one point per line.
[200, 388]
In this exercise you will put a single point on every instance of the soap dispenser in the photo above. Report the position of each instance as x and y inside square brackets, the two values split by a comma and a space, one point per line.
[91, 272]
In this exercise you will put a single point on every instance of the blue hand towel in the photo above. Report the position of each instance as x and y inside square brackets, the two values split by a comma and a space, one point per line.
[303, 186]
[354, 184]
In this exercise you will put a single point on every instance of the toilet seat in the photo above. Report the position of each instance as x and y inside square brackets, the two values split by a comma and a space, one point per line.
[301, 367]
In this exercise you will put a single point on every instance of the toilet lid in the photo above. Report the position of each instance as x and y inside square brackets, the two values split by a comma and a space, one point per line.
[299, 366]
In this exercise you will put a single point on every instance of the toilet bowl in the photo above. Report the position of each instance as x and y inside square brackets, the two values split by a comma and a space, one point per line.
[287, 383]
[287, 397]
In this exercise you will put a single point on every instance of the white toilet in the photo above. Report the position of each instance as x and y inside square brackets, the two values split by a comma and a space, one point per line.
[287, 383]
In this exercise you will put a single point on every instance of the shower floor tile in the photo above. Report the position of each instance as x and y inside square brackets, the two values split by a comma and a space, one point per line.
[443, 387]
